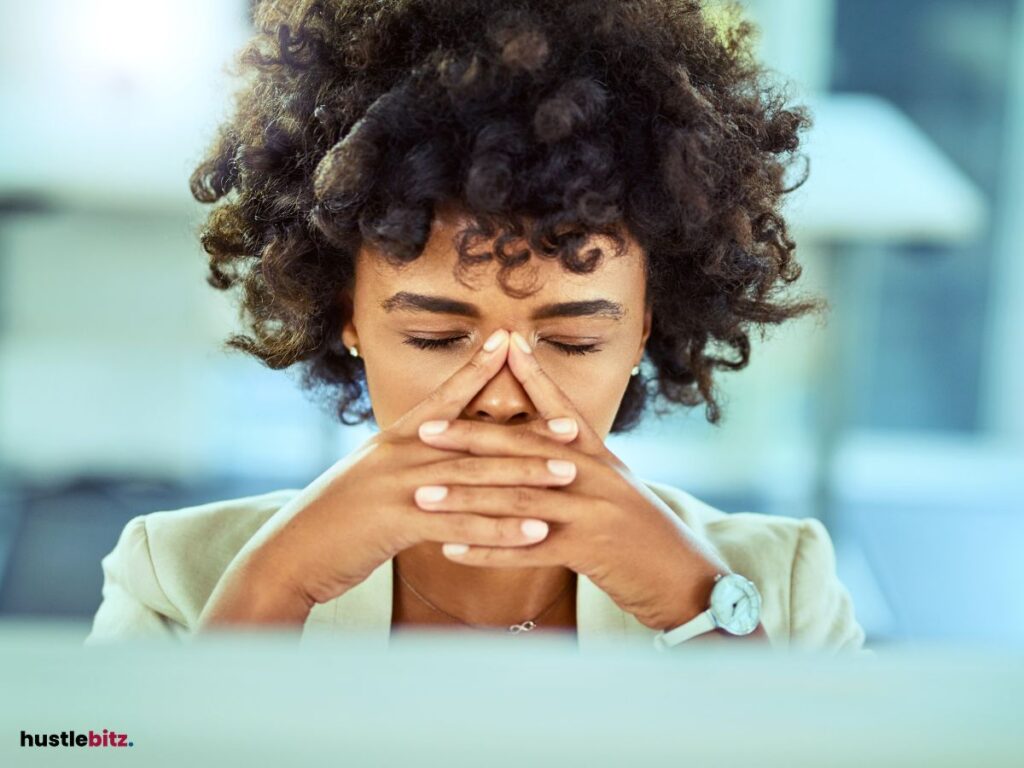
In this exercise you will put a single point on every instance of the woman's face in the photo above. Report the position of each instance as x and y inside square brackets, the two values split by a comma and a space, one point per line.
[402, 315]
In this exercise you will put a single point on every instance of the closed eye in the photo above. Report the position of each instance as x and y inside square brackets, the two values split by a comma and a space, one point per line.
[452, 342]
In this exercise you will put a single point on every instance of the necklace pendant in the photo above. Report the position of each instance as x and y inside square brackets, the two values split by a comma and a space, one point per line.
[526, 626]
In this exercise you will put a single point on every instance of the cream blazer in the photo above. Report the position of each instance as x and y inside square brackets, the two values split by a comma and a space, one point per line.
[165, 564]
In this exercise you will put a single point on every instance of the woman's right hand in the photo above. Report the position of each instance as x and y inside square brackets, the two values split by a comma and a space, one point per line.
[362, 511]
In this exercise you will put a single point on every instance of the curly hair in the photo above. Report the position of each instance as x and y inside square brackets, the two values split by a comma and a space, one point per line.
[545, 121]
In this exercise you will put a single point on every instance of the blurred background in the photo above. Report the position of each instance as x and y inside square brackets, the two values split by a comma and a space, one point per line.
[899, 423]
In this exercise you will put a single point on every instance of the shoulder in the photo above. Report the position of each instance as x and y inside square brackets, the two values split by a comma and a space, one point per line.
[791, 560]
[169, 561]
[762, 543]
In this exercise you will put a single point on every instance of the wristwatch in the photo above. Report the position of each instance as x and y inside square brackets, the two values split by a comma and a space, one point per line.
[735, 607]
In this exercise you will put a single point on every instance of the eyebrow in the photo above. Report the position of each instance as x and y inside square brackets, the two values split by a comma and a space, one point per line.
[418, 302]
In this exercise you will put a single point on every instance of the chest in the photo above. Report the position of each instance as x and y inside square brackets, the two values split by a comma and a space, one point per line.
[409, 612]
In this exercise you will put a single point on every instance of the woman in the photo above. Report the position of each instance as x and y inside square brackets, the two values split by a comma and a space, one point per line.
[470, 222]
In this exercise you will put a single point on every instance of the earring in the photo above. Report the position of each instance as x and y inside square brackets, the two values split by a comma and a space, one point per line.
[353, 351]
[635, 371]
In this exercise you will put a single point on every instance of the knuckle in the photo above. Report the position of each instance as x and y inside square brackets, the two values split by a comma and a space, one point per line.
[488, 555]
[607, 512]
[533, 372]
[437, 397]
[462, 529]
[467, 428]
[536, 434]
[523, 499]
[470, 468]
[506, 530]
[459, 498]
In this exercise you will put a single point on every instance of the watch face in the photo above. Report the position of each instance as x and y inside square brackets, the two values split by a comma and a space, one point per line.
[736, 604]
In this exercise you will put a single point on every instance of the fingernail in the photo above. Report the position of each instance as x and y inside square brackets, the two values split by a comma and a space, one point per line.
[521, 342]
[433, 427]
[429, 493]
[454, 549]
[562, 426]
[495, 340]
[534, 529]
[561, 468]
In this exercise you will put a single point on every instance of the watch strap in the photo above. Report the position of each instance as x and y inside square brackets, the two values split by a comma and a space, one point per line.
[698, 625]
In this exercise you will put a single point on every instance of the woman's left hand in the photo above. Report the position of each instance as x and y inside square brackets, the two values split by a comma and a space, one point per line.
[605, 523]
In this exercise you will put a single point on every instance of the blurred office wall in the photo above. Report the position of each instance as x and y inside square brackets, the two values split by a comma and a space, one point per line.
[899, 423]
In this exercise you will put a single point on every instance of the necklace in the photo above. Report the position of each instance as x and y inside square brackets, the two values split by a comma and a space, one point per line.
[514, 629]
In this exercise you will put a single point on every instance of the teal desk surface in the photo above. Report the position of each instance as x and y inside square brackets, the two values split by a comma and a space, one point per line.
[261, 699]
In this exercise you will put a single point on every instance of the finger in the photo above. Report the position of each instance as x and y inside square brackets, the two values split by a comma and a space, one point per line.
[483, 438]
[491, 470]
[450, 399]
[547, 397]
[546, 553]
[553, 506]
[479, 530]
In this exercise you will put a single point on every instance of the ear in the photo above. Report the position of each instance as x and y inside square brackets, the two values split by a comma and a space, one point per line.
[648, 316]
[349, 335]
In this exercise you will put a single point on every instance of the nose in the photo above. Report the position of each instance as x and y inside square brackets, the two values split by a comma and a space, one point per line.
[502, 400]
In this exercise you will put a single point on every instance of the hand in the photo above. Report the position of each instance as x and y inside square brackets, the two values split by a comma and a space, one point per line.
[605, 523]
[361, 511]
